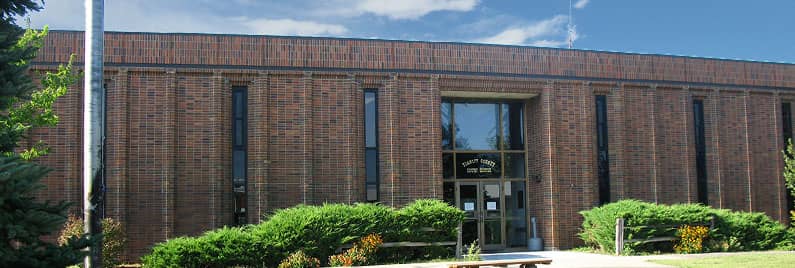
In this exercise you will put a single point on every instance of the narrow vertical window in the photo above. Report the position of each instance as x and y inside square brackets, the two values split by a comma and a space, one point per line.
[371, 144]
[701, 151]
[239, 151]
[603, 162]
[786, 127]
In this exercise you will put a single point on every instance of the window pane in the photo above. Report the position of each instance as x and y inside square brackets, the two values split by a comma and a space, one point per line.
[515, 165]
[447, 166]
[491, 199]
[372, 192]
[469, 232]
[448, 191]
[517, 232]
[515, 199]
[369, 119]
[371, 165]
[447, 132]
[486, 165]
[468, 194]
[238, 102]
[513, 126]
[239, 166]
[239, 133]
[476, 126]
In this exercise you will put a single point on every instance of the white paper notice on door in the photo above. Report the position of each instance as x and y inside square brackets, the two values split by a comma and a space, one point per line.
[491, 205]
[469, 206]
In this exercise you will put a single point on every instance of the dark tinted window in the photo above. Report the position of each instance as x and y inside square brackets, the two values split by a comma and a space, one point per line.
[371, 144]
[513, 126]
[239, 151]
[701, 151]
[602, 150]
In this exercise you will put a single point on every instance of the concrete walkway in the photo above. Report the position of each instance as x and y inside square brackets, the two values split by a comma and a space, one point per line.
[581, 259]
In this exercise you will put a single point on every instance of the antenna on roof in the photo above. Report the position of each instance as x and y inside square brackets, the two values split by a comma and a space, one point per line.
[570, 27]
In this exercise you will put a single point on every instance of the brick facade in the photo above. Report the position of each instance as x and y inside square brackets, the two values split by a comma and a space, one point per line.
[168, 146]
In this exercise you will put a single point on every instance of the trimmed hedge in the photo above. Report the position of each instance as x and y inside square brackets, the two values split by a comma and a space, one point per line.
[734, 231]
[316, 230]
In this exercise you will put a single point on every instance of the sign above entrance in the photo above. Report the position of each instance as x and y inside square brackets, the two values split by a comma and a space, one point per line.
[486, 165]
[479, 166]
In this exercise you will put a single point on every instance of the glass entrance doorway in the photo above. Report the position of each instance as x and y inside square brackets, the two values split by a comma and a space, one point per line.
[482, 204]
[495, 214]
[485, 169]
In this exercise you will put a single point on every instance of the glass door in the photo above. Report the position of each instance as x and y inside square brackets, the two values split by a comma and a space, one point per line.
[482, 203]
[491, 216]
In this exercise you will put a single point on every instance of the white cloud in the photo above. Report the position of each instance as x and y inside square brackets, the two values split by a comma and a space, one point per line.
[581, 4]
[548, 43]
[399, 9]
[528, 34]
[294, 27]
[150, 16]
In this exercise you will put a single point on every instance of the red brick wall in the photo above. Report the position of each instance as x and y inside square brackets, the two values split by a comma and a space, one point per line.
[169, 125]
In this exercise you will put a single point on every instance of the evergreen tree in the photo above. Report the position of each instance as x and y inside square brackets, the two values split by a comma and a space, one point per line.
[24, 220]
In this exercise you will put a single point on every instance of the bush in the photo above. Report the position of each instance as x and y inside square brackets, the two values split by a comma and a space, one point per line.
[113, 238]
[733, 231]
[218, 248]
[299, 259]
[316, 230]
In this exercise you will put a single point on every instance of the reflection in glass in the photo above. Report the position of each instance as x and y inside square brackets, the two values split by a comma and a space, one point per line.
[492, 232]
[239, 167]
[517, 232]
[469, 231]
[369, 119]
[447, 132]
[491, 199]
[372, 192]
[468, 193]
[447, 166]
[514, 165]
[371, 165]
[473, 165]
[476, 126]
[448, 192]
[515, 199]
[513, 126]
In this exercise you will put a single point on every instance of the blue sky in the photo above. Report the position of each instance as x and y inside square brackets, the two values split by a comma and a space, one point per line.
[737, 29]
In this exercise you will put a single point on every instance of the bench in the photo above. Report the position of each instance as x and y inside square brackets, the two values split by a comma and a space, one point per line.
[523, 263]
[407, 243]
[620, 241]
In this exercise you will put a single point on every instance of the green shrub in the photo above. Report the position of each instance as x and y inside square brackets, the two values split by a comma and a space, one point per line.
[320, 230]
[113, 238]
[427, 213]
[218, 248]
[733, 231]
[316, 230]
[299, 259]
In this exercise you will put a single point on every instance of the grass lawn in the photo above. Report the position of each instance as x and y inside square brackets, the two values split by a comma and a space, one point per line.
[779, 260]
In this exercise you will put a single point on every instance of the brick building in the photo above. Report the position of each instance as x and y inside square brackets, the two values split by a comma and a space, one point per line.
[211, 130]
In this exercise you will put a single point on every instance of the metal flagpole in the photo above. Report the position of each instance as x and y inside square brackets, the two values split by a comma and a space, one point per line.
[92, 127]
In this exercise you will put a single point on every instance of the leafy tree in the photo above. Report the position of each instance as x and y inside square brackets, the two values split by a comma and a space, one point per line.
[789, 174]
[24, 220]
